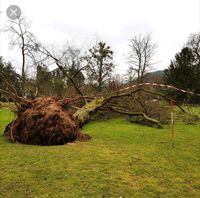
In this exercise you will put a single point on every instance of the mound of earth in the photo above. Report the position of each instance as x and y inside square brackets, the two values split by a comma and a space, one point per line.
[44, 121]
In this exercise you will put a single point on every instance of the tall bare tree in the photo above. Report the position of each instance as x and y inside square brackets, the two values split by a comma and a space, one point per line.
[22, 38]
[140, 57]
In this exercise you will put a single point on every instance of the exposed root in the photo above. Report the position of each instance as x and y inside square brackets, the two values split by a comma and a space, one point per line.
[44, 121]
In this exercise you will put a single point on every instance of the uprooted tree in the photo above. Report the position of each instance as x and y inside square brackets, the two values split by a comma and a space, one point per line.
[53, 121]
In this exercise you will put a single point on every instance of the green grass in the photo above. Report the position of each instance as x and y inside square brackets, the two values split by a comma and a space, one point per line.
[121, 160]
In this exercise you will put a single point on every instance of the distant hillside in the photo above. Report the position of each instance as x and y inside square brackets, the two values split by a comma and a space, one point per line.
[155, 76]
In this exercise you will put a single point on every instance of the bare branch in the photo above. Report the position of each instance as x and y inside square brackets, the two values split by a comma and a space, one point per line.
[135, 114]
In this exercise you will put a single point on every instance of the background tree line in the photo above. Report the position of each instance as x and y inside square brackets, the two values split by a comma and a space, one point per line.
[92, 71]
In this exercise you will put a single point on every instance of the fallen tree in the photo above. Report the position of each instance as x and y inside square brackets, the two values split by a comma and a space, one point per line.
[53, 121]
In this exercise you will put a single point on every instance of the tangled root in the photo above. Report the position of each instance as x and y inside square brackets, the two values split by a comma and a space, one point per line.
[44, 121]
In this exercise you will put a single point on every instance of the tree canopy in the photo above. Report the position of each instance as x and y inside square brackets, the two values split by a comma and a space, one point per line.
[7, 72]
[99, 64]
[183, 73]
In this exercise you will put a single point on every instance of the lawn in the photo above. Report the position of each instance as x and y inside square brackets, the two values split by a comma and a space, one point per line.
[121, 160]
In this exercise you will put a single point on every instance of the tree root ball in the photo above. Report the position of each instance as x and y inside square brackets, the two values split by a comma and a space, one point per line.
[44, 121]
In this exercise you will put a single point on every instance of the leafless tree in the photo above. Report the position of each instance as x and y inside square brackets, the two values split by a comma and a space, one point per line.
[140, 57]
[73, 63]
[22, 38]
[60, 61]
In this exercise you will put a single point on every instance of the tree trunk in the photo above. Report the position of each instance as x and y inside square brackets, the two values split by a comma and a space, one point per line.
[23, 68]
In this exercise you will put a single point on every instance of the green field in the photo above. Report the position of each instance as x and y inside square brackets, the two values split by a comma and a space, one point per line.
[121, 160]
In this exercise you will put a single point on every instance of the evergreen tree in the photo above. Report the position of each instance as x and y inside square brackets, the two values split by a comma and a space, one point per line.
[43, 80]
[100, 64]
[8, 73]
[182, 73]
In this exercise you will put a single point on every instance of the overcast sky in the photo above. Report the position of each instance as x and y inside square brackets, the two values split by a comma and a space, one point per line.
[114, 21]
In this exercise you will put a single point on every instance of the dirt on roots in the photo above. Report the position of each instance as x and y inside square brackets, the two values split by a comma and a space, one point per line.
[44, 121]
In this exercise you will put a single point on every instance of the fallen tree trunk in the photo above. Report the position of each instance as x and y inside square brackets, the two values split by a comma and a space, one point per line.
[83, 114]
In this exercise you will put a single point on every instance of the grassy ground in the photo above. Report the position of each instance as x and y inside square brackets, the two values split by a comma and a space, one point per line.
[122, 160]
